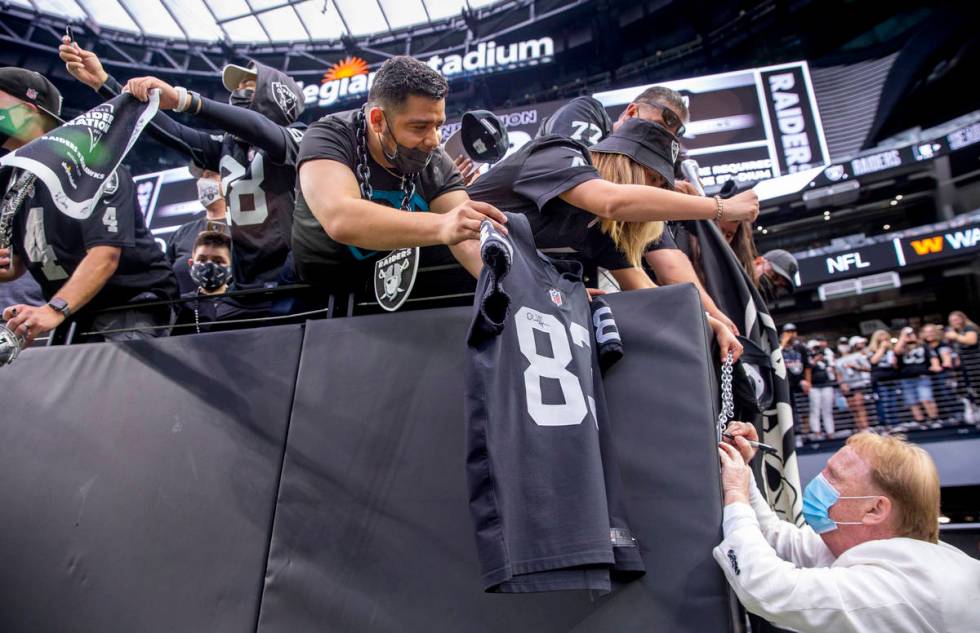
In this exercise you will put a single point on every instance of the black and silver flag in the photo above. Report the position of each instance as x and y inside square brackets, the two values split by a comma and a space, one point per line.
[735, 294]
[78, 160]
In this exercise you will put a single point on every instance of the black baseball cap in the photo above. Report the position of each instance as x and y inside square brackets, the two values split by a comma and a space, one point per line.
[33, 88]
[783, 264]
[646, 142]
[484, 136]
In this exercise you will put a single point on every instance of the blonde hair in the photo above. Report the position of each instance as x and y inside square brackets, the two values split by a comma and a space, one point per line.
[906, 474]
[877, 338]
[631, 238]
[962, 315]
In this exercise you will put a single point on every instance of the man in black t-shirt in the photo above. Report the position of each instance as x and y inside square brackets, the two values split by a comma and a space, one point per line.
[797, 361]
[356, 170]
[823, 379]
[82, 266]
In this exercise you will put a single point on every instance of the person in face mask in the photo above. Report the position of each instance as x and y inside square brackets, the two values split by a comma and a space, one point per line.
[358, 172]
[257, 152]
[776, 272]
[868, 560]
[180, 246]
[209, 307]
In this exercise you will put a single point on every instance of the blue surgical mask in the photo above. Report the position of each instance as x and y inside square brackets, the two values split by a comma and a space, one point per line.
[818, 497]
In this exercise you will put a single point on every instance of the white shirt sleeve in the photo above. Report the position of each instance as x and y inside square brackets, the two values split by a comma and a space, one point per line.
[801, 546]
[811, 598]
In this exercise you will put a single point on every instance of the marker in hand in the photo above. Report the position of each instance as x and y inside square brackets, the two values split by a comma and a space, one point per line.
[759, 445]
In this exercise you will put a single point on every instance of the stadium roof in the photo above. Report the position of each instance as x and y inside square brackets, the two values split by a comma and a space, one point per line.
[253, 21]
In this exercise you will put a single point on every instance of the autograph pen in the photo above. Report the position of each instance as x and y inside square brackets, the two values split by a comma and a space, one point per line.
[763, 447]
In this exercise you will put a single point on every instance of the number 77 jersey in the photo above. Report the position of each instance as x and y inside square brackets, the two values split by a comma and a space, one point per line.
[545, 493]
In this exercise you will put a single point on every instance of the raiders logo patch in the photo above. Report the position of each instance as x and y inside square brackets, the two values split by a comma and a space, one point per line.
[394, 277]
[285, 99]
[112, 185]
[674, 151]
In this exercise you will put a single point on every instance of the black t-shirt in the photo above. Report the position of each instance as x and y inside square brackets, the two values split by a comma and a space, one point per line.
[51, 244]
[180, 248]
[317, 256]
[530, 181]
[822, 371]
[582, 119]
[969, 354]
[797, 360]
[885, 368]
[915, 361]
[212, 313]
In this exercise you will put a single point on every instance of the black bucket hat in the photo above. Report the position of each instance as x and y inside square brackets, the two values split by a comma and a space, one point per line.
[33, 88]
[646, 142]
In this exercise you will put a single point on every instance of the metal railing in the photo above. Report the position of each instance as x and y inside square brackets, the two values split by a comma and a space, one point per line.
[887, 405]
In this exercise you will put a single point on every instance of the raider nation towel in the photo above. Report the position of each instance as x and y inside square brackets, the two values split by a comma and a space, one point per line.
[730, 287]
[77, 160]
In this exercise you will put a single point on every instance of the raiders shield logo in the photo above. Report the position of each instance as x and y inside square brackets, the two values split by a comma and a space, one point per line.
[285, 99]
[674, 150]
[394, 277]
[112, 185]
[835, 172]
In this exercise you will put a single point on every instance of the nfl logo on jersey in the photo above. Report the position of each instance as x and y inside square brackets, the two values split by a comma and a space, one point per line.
[555, 296]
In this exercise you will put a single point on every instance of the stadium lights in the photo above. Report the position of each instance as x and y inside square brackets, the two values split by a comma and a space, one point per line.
[893, 203]
[886, 227]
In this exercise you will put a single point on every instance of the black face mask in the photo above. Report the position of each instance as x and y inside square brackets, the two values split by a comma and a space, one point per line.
[407, 160]
[770, 291]
[209, 275]
[241, 97]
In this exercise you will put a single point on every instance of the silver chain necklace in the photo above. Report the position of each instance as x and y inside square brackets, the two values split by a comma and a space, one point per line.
[727, 398]
[11, 202]
[362, 171]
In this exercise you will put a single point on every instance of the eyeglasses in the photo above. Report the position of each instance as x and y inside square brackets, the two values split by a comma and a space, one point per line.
[670, 118]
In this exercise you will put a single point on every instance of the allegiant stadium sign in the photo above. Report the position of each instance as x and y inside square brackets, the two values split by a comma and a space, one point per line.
[487, 57]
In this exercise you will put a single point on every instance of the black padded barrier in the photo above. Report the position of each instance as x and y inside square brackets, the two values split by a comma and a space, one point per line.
[372, 531]
[138, 480]
[281, 480]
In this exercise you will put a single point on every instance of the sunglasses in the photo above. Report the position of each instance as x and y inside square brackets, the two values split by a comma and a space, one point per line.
[670, 118]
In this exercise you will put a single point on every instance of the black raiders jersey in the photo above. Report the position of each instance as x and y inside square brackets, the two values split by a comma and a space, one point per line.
[582, 119]
[52, 245]
[531, 180]
[260, 195]
[545, 493]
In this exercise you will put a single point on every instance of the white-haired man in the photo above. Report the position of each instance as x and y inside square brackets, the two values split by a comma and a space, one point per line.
[869, 559]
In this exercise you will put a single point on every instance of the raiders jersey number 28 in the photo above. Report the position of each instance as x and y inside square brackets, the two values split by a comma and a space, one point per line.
[544, 489]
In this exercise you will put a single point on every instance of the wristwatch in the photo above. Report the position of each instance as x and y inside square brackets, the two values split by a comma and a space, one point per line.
[60, 305]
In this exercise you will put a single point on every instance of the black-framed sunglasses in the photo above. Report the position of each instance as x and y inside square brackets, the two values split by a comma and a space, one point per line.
[671, 120]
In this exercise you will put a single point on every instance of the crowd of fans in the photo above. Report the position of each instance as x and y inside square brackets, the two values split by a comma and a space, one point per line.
[914, 379]
[319, 206]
